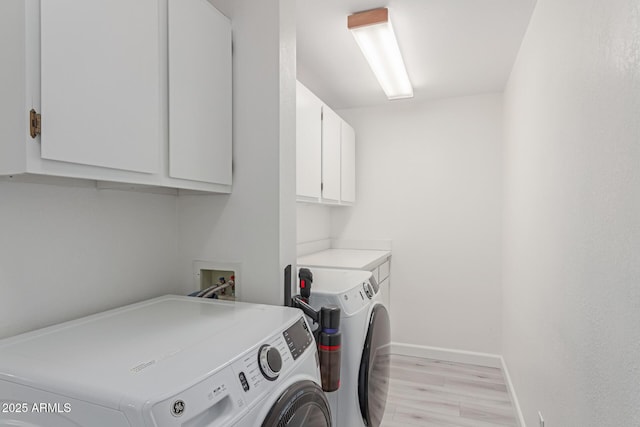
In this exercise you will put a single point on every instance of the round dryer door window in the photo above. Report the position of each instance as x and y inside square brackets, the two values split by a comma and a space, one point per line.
[373, 378]
[303, 404]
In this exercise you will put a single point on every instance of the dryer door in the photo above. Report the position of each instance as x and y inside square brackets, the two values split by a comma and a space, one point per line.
[373, 379]
[302, 404]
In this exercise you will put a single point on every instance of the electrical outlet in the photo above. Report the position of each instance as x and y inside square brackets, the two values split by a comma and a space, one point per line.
[541, 419]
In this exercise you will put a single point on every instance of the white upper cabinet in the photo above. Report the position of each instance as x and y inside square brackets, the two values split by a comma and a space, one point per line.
[347, 164]
[100, 83]
[199, 92]
[308, 144]
[325, 152]
[130, 93]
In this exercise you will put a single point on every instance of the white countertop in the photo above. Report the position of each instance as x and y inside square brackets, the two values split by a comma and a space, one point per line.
[357, 259]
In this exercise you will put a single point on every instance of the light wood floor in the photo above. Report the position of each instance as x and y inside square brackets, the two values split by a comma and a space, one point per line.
[434, 393]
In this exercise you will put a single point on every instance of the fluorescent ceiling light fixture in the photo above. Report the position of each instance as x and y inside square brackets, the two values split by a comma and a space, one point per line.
[374, 34]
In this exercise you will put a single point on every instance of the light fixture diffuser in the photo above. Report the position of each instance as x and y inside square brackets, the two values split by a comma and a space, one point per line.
[374, 34]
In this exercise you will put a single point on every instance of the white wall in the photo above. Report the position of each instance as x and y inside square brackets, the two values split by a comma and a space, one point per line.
[314, 222]
[255, 226]
[429, 178]
[572, 229]
[66, 252]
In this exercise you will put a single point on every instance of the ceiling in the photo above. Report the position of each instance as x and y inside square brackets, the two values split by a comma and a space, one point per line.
[450, 47]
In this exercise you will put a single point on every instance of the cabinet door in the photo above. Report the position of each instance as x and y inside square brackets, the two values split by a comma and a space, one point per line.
[308, 143]
[199, 92]
[330, 155]
[347, 164]
[100, 83]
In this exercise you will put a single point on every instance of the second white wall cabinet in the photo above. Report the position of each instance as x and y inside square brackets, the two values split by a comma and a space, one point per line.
[325, 146]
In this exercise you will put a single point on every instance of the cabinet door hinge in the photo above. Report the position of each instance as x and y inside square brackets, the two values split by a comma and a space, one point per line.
[321, 186]
[35, 123]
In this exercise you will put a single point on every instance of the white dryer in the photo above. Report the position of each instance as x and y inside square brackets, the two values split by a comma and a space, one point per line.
[169, 361]
[366, 339]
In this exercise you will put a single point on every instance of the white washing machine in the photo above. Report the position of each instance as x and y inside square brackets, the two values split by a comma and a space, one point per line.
[366, 339]
[169, 361]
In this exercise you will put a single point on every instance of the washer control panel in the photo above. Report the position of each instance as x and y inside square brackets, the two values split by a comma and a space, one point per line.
[256, 371]
[265, 364]
[298, 338]
[239, 385]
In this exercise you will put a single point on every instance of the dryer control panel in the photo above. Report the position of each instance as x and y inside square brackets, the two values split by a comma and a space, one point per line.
[356, 298]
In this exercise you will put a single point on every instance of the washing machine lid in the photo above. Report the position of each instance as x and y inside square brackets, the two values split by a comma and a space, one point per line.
[373, 377]
[140, 352]
[330, 281]
[302, 404]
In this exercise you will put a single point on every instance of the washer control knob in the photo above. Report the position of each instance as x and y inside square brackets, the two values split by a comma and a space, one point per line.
[270, 362]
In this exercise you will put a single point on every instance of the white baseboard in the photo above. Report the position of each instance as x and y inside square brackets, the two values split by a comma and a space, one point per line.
[461, 356]
[512, 392]
[449, 355]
